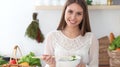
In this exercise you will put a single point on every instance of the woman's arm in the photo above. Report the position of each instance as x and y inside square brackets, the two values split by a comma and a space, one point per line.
[94, 53]
[49, 52]
[49, 47]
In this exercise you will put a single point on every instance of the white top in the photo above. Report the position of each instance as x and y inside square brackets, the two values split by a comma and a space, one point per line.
[59, 45]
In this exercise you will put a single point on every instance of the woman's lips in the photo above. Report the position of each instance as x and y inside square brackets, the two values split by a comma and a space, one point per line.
[72, 22]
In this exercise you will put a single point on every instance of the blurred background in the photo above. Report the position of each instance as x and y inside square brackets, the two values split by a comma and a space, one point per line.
[16, 15]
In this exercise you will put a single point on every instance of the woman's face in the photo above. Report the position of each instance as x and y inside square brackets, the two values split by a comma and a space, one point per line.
[73, 15]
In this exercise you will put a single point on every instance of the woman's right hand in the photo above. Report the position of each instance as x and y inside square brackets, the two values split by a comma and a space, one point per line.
[49, 59]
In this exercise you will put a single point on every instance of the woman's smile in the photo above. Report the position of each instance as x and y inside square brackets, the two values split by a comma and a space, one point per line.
[72, 22]
[74, 14]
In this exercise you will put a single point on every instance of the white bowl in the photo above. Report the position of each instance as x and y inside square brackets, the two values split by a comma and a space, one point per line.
[68, 63]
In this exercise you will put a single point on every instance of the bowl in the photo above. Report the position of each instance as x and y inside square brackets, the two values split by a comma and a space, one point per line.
[68, 62]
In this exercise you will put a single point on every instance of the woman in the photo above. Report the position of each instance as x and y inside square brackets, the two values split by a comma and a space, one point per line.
[72, 37]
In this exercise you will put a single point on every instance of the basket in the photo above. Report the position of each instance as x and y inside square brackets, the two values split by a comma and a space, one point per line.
[114, 58]
[16, 47]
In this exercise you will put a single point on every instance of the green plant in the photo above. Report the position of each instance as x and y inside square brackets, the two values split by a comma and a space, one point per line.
[89, 2]
[115, 44]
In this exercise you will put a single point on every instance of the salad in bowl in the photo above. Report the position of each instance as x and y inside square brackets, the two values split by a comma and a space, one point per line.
[68, 61]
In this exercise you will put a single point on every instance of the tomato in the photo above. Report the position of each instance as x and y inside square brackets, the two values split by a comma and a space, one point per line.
[13, 61]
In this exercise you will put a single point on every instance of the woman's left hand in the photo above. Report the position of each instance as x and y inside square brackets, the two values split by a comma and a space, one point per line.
[81, 65]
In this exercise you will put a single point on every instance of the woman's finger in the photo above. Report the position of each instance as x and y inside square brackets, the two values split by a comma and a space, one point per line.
[81, 65]
[51, 60]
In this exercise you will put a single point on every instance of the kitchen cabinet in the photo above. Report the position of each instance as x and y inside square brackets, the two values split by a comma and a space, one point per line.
[104, 66]
[91, 7]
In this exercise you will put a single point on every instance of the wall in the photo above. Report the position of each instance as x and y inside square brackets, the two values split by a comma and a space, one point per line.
[16, 15]
[103, 21]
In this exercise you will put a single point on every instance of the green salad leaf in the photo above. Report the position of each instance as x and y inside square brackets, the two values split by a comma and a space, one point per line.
[32, 61]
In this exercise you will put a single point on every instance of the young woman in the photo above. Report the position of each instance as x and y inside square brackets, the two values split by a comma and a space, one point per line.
[72, 37]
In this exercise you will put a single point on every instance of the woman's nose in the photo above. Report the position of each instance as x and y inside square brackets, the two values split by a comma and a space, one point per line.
[73, 16]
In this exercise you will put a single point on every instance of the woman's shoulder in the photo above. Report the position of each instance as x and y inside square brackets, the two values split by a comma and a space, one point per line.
[89, 34]
[53, 33]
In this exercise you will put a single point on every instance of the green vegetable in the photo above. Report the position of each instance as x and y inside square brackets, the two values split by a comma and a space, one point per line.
[111, 47]
[32, 61]
[2, 61]
[72, 58]
[115, 44]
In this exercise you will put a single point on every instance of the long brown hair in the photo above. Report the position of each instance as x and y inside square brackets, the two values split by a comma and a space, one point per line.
[84, 26]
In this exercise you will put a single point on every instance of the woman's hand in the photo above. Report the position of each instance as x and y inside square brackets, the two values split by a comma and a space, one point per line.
[81, 65]
[49, 59]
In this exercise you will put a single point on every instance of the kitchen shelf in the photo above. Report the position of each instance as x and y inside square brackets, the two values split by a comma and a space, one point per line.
[92, 7]
[48, 7]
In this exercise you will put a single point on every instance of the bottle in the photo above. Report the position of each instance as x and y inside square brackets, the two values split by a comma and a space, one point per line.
[109, 2]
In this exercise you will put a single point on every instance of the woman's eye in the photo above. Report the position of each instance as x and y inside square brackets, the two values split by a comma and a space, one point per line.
[70, 11]
[79, 13]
